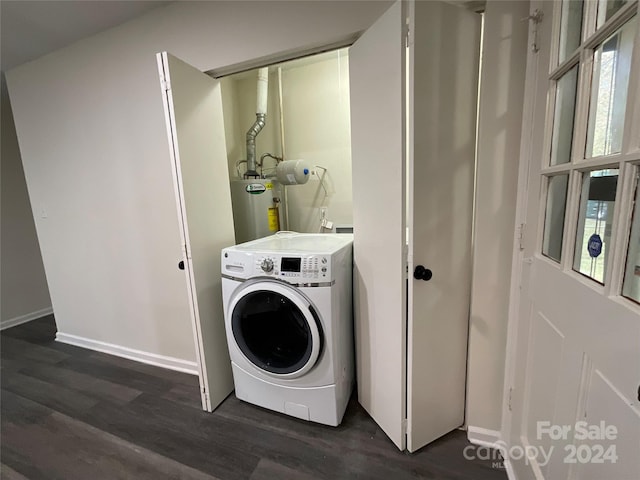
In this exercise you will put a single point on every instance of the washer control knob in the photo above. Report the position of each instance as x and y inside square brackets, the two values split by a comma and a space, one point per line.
[267, 265]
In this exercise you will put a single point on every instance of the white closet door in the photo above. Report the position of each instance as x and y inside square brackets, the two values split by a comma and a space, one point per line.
[411, 341]
[444, 57]
[376, 71]
[193, 111]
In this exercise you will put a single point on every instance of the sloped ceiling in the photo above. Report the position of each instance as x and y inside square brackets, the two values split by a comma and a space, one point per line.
[31, 29]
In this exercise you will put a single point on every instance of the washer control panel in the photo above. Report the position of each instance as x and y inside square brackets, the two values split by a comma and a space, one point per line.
[266, 265]
[294, 268]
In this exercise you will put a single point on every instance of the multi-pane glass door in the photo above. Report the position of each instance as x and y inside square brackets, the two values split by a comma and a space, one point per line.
[591, 166]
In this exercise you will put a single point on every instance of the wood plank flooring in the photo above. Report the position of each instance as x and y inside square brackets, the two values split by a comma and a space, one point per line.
[71, 413]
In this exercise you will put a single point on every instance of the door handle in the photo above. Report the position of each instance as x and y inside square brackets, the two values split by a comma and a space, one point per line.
[421, 273]
[181, 265]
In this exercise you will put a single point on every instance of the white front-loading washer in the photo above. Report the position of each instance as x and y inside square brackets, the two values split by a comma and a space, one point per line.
[288, 317]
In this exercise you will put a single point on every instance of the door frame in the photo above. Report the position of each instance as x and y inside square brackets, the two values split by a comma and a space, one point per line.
[532, 108]
[531, 149]
[284, 56]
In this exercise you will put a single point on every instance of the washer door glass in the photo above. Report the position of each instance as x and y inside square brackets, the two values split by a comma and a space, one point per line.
[276, 331]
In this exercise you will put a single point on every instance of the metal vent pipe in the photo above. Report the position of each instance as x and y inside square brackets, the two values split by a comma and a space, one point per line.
[261, 115]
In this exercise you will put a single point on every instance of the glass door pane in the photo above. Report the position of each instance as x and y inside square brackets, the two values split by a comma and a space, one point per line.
[563, 117]
[631, 286]
[554, 216]
[570, 28]
[595, 222]
[611, 67]
[606, 9]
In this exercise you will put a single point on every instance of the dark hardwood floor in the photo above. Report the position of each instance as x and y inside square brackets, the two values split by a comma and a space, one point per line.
[71, 413]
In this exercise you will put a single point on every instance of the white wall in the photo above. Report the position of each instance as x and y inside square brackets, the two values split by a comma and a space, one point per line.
[233, 133]
[24, 294]
[316, 124]
[501, 101]
[317, 129]
[93, 141]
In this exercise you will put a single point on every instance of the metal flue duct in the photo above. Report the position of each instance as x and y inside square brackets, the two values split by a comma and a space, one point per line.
[261, 115]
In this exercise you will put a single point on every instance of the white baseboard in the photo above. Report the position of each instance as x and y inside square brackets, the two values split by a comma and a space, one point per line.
[511, 474]
[533, 462]
[483, 436]
[12, 322]
[139, 356]
[492, 439]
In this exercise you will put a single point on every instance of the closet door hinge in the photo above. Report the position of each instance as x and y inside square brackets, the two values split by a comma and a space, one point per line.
[510, 396]
[407, 31]
[404, 426]
[166, 85]
[536, 19]
[520, 235]
[187, 252]
[407, 261]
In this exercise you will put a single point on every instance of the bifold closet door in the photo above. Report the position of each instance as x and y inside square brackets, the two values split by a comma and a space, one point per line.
[413, 120]
[445, 51]
[377, 79]
[195, 128]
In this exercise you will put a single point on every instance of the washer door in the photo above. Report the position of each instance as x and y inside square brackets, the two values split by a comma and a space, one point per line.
[276, 328]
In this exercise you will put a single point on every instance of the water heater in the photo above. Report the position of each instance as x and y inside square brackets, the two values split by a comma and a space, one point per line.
[256, 208]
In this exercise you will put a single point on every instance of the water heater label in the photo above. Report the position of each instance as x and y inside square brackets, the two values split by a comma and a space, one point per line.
[269, 185]
[255, 188]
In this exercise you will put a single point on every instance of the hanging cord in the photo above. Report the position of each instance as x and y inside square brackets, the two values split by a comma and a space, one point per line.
[323, 207]
[324, 172]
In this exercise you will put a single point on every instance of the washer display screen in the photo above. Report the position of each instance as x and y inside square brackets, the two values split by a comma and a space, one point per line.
[289, 264]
